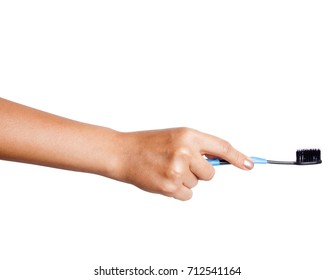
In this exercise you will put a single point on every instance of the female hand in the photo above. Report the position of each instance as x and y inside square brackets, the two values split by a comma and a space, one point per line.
[170, 161]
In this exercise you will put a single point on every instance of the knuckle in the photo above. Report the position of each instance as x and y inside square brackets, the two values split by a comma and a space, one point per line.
[182, 153]
[182, 143]
[185, 134]
[169, 189]
[173, 173]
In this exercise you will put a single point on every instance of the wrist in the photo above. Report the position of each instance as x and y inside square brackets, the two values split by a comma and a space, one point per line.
[112, 155]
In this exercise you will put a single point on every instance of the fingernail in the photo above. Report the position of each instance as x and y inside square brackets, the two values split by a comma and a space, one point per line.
[248, 164]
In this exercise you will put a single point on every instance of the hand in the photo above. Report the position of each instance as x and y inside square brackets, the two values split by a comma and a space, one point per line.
[170, 161]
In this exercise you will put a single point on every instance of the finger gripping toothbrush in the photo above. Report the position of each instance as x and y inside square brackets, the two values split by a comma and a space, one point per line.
[303, 157]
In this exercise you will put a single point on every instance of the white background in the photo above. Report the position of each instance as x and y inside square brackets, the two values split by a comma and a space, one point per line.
[256, 73]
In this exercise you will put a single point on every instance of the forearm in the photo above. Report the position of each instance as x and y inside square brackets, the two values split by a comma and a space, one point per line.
[33, 136]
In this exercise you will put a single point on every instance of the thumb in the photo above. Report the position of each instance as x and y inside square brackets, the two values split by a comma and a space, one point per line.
[216, 147]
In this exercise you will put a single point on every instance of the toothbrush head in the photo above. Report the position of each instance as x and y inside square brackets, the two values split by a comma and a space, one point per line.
[310, 156]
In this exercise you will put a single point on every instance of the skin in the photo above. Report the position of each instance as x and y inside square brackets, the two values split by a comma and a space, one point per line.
[168, 162]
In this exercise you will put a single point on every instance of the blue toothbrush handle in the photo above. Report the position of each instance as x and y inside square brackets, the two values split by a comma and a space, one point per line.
[258, 160]
[217, 161]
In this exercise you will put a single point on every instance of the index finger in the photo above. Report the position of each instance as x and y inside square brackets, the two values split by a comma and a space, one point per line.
[220, 148]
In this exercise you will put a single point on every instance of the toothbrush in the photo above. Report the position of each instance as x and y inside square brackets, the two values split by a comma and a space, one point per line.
[303, 157]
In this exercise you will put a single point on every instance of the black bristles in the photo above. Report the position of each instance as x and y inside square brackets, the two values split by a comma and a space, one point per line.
[311, 156]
